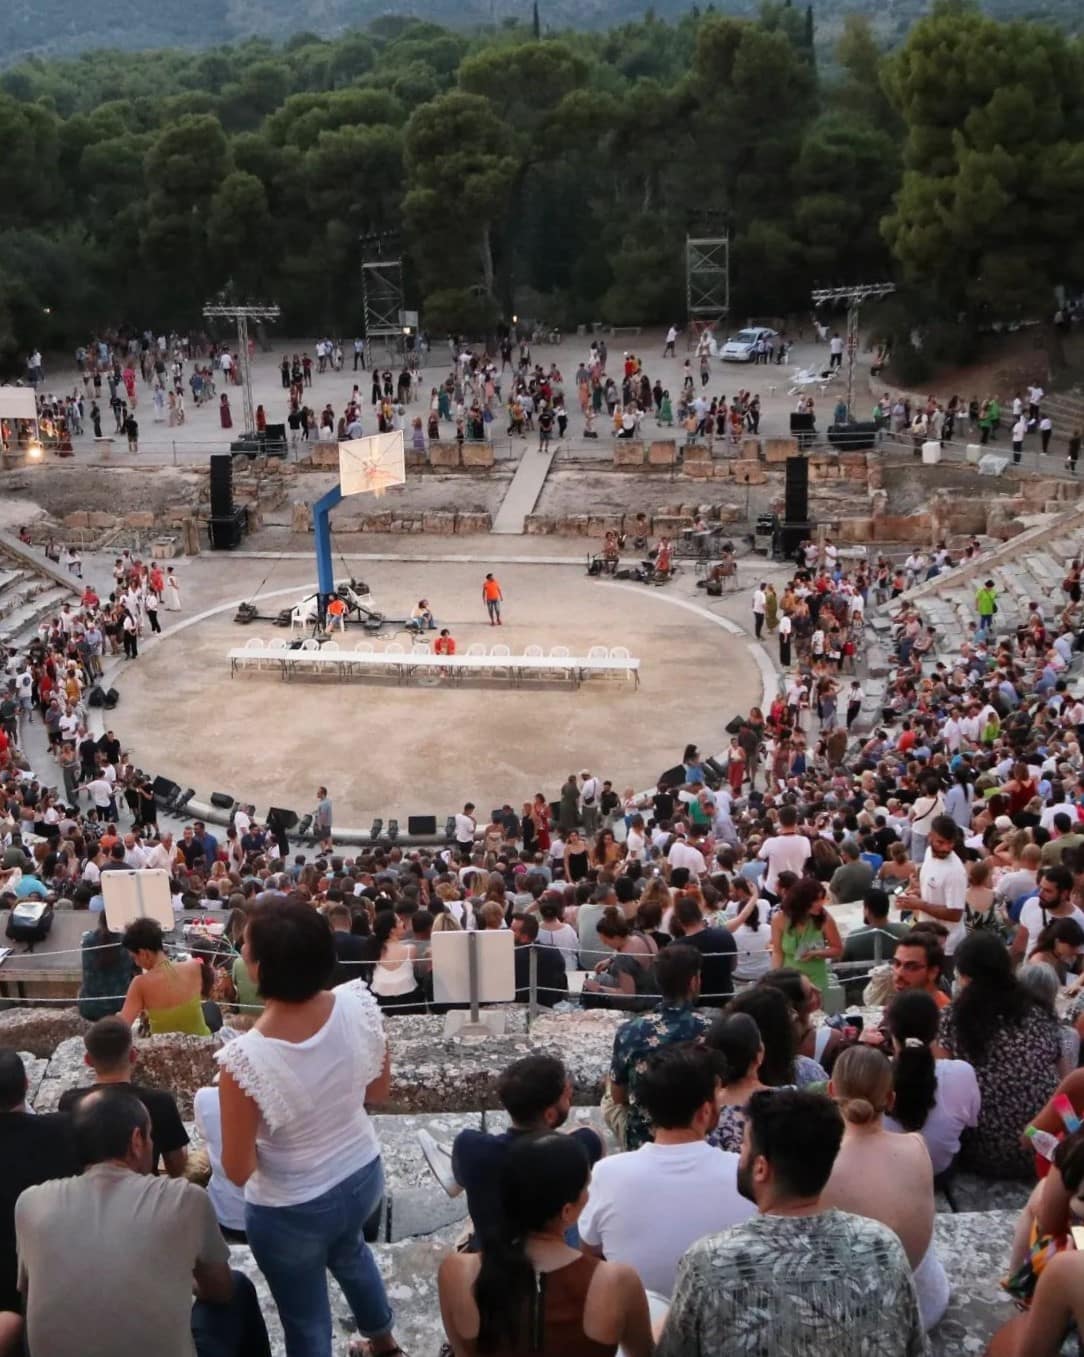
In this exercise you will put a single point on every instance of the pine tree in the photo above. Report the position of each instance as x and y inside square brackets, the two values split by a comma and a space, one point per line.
[809, 29]
[536, 25]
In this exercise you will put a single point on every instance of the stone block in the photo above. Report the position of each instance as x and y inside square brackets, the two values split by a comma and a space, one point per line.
[478, 454]
[575, 525]
[301, 518]
[662, 452]
[79, 519]
[750, 449]
[324, 456]
[698, 470]
[904, 528]
[696, 452]
[444, 455]
[470, 523]
[822, 468]
[853, 465]
[748, 472]
[97, 519]
[670, 525]
[731, 513]
[602, 524]
[777, 450]
[39, 1030]
[875, 473]
[854, 530]
[628, 453]
[438, 522]
[537, 525]
[142, 519]
[415, 459]
[723, 471]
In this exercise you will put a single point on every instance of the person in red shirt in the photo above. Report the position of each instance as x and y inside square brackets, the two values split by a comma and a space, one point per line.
[906, 741]
[444, 644]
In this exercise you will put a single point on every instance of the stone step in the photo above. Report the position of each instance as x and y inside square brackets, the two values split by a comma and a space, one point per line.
[9, 582]
[18, 626]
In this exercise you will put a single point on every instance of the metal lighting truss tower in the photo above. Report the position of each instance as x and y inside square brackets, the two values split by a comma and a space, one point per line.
[241, 315]
[707, 284]
[854, 297]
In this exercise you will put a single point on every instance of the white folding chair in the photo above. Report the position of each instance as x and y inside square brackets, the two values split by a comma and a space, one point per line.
[393, 648]
[476, 648]
[561, 653]
[596, 653]
[498, 653]
[534, 651]
[621, 653]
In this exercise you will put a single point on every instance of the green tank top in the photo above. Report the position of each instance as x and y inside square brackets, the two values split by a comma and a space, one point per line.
[794, 941]
[186, 1017]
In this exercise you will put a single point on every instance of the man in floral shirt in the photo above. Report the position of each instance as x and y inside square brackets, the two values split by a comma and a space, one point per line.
[677, 970]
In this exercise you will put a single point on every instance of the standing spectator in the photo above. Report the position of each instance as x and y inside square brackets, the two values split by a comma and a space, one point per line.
[295, 1132]
[321, 820]
[492, 597]
[760, 603]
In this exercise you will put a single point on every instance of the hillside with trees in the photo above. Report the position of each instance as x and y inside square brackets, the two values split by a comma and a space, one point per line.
[553, 176]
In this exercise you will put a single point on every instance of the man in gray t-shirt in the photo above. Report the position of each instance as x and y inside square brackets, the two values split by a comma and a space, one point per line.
[107, 1261]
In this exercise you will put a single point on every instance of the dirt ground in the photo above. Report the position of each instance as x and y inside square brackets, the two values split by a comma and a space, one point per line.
[63, 488]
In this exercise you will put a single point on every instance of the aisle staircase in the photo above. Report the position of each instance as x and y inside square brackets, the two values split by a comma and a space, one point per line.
[31, 588]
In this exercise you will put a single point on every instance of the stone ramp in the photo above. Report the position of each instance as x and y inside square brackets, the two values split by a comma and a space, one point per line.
[31, 588]
[522, 495]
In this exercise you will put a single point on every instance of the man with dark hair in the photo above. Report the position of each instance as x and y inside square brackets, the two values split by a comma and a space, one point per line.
[107, 1261]
[698, 1183]
[853, 878]
[752, 1285]
[111, 1055]
[917, 963]
[350, 947]
[675, 1020]
[1053, 900]
[942, 883]
[33, 1149]
[536, 1092]
[717, 948]
[551, 974]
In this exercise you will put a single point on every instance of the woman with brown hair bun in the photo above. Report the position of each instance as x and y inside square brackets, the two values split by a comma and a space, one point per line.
[884, 1175]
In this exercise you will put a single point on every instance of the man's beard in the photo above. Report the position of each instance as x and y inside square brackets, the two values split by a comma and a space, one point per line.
[745, 1181]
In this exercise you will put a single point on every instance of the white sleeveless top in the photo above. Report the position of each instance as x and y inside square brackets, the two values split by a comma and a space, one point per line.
[313, 1131]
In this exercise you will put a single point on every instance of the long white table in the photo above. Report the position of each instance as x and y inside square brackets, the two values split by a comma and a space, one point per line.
[408, 664]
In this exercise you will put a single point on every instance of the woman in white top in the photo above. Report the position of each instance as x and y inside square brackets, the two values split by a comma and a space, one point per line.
[883, 1176]
[295, 1133]
[938, 1098]
[393, 980]
[751, 931]
[924, 811]
[554, 932]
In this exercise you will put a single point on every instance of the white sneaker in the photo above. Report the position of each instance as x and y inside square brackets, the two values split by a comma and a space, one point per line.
[439, 1159]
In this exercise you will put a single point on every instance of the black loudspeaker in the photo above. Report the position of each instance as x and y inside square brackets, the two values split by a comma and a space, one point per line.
[223, 800]
[225, 533]
[221, 485]
[673, 777]
[164, 789]
[274, 437]
[801, 426]
[96, 698]
[421, 824]
[285, 819]
[796, 494]
[858, 436]
[112, 697]
[555, 811]
[789, 537]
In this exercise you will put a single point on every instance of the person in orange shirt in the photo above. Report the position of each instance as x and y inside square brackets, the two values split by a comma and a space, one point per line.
[444, 644]
[493, 598]
[336, 613]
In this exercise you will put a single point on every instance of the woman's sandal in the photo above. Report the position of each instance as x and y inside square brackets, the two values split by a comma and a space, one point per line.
[362, 1347]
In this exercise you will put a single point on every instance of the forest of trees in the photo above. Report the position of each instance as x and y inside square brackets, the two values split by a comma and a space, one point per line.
[553, 176]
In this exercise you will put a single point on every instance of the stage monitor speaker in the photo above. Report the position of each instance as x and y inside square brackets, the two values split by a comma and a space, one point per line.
[673, 777]
[164, 789]
[226, 532]
[221, 485]
[421, 824]
[96, 697]
[796, 492]
[857, 436]
[223, 800]
[555, 812]
[285, 819]
[112, 697]
[790, 537]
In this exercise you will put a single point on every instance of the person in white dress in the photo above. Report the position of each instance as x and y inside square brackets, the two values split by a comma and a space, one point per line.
[171, 597]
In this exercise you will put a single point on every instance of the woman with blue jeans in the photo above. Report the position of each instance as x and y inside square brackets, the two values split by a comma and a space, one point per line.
[295, 1133]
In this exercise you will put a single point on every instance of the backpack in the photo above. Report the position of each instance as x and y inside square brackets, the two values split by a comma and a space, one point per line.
[29, 922]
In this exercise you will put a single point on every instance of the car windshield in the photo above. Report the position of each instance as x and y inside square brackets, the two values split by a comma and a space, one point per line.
[745, 337]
